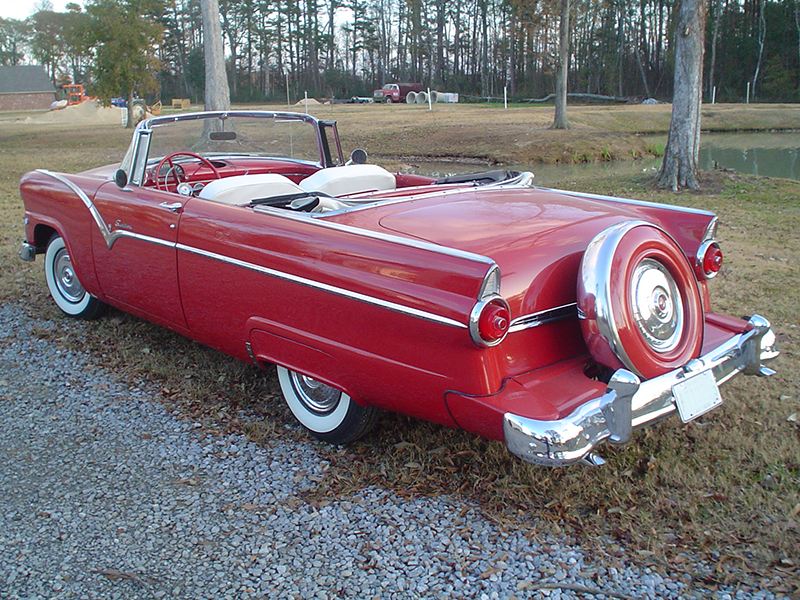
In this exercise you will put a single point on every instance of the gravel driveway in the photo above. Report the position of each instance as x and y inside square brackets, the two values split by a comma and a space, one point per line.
[104, 494]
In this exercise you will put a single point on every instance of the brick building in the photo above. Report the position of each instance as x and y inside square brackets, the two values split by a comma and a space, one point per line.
[25, 87]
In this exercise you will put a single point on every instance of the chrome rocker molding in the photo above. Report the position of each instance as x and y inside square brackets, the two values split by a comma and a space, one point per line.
[629, 403]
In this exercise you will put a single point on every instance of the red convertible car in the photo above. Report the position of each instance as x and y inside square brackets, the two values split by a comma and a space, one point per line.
[552, 320]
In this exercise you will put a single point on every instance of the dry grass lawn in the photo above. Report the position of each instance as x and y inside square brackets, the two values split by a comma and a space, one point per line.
[724, 489]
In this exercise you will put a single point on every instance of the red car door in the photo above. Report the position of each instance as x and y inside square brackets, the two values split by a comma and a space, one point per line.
[136, 258]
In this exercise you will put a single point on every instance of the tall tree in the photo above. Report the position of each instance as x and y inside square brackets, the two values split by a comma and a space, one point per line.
[12, 41]
[124, 34]
[679, 168]
[562, 69]
[762, 33]
[218, 94]
[47, 43]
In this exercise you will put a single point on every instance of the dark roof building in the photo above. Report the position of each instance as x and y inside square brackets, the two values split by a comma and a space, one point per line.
[25, 87]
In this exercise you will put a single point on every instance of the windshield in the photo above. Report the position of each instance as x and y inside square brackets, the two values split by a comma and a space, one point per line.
[230, 135]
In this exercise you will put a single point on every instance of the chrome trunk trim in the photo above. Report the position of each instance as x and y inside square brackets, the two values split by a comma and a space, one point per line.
[559, 313]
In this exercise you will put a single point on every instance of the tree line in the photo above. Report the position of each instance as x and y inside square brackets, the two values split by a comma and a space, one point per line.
[345, 48]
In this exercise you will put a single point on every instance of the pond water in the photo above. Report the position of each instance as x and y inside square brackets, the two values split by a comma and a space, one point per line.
[770, 154]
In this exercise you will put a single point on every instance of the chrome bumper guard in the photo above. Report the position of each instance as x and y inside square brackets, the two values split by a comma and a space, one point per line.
[629, 403]
[27, 252]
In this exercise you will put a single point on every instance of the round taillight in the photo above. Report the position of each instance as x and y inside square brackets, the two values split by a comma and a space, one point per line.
[493, 322]
[712, 260]
[490, 321]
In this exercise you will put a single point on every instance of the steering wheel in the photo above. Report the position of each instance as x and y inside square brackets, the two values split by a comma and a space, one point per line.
[177, 169]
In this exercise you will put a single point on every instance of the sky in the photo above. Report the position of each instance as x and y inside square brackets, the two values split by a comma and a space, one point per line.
[22, 9]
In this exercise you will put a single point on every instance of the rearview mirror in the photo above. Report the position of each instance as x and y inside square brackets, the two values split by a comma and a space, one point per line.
[225, 136]
[121, 178]
[358, 156]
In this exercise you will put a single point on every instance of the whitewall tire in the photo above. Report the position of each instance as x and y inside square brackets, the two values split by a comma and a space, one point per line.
[66, 290]
[328, 414]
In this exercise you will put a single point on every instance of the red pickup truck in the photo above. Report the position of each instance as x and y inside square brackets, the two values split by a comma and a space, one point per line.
[395, 92]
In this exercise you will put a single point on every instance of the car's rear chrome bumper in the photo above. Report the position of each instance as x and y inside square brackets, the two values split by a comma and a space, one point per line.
[629, 403]
[27, 252]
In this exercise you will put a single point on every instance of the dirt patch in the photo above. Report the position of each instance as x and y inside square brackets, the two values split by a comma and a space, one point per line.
[88, 111]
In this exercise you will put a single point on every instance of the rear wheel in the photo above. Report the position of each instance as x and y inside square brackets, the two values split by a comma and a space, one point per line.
[328, 414]
[64, 286]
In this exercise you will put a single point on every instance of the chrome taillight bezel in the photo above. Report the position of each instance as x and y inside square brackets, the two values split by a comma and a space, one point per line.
[705, 247]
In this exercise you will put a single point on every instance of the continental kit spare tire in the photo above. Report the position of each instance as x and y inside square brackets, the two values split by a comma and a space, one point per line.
[638, 300]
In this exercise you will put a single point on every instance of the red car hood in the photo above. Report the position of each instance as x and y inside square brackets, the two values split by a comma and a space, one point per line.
[536, 236]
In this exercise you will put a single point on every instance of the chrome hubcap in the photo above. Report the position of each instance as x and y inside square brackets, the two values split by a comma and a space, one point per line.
[657, 306]
[317, 397]
[69, 286]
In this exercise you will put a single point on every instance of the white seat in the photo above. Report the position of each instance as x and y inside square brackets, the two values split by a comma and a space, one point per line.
[241, 189]
[349, 179]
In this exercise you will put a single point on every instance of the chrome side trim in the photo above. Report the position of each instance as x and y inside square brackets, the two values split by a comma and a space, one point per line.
[109, 236]
[683, 209]
[393, 306]
[98, 219]
[711, 230]
[112, 236]
[376, 235]
[491, 283]
[629, 403]
[567, 311]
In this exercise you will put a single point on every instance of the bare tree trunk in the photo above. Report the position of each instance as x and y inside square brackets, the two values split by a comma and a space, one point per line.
[637, 51]
[762, 32]
[797, 24]
[714, 38]
[562, 70]
[679, 168]
[218, 94]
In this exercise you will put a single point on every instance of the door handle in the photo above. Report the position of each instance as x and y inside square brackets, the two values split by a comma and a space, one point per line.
[174, 206]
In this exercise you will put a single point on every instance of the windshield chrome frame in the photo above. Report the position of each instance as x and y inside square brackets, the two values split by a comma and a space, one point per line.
[330, 154]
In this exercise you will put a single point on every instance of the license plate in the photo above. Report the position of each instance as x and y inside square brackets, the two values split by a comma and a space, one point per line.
[696, 395]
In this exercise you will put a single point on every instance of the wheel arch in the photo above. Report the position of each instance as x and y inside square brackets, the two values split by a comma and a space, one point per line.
[42, 233]
[269, 347]
[82, 261]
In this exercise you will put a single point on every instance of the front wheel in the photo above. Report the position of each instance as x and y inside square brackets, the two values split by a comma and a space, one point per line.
[64, 286]
[329, 414]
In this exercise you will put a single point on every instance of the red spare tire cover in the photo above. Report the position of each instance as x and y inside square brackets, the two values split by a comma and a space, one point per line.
[636, 287]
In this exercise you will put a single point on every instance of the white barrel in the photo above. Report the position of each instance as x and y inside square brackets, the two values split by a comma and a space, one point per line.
[411, 97]
[422, 98]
